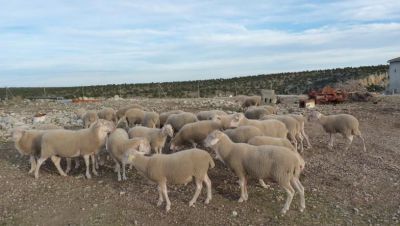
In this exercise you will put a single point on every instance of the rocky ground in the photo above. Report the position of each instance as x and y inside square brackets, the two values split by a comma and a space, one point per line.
[342, 187]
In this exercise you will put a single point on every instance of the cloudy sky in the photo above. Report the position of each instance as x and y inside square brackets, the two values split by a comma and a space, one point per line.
[75, 42]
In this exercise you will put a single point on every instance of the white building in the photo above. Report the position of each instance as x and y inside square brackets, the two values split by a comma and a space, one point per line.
[394, 75]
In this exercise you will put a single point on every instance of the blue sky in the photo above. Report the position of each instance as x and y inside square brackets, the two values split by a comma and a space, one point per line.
[73, 43]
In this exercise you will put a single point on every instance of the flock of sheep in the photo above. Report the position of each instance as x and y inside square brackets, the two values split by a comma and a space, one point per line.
[257, 143]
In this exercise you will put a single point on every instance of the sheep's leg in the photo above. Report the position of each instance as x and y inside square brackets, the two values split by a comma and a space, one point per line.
[38, 164]
[207, 181]
[87, 163]
[331, 139]
[68, 169]
[193, 144]
[262, 183]
[306, 137]
[117, 169]
[292, 138]
[32, 160]
[300, 189]
[349, 141]
[160, 196]
[199, 186]
[242, 183]
[56, 160]
[77, 164]
[290, 193]
[123, 171]
[362, 138]
[300, 138]
[165, 194]
[93, 157]
[245, 189]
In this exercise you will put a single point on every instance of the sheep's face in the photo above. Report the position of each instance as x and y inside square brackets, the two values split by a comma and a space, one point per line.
[174, 147]
[236, 119]
[167, 129]
[314, 116]
[212, 139]
[17, 134]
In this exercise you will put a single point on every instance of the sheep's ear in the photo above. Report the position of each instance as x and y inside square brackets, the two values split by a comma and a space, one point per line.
[216, 118]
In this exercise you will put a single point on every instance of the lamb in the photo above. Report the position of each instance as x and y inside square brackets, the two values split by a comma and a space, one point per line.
[258, 112]
[177, 121]
[151, 120]
[345, 124]
[293, 126]
[208, 115]
[121, 112]
[164, 116]
[243, 134]
[272, 128]
[156, 137]
[108, 114]
[69, 143]
[134, 116]
[265, 140]
[176, 168]
[261, 162]
[195, 133]
[89, 118]
[302, 120]
[118, 143]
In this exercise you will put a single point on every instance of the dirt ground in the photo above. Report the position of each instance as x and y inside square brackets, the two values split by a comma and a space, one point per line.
[342, 187]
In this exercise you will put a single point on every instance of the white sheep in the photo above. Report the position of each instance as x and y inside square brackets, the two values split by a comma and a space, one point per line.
[176, 168]
[118, 143]
[108, 114]
[134, 116]
[272, 128]
[257, 112]
[208, 115]
[177, 121]
[302, 120]
[69, 143]
[121, 112]
[89, 118]
[260, 162]
[345, 124]
[164, 116]
[243, 134]
[151, 119]
[156, 137]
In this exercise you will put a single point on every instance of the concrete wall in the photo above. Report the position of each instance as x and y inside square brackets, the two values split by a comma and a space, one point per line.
[394, 74]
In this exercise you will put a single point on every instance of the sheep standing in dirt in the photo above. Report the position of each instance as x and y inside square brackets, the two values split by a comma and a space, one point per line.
[302, 120]
[164, 116]
[208, 115]
[176, 168]
[134, 116]
[243, 134]
[251, 101]
[272, 128]
[89, 118]
[257, 112]
[72, 143]
[121, 112]
[156, 137]
[118, 143]
[293, 126]
[345, 124]
[108, 114]
[261, 162]
[28, 142]
[151, 120]
[177, 121]
[195, 133]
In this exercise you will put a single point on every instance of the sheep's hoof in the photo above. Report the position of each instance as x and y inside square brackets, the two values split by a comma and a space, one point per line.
[167, 208]
[207, 201]
[67, 171]
[302, 209]
[88, 176]
[159, 203]
[241, 199]
[119, 178]
[283, 211]
[95, 173]
[64, 174]
[191, 204]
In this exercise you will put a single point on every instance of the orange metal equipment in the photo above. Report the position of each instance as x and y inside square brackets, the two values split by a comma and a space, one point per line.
[328, 95]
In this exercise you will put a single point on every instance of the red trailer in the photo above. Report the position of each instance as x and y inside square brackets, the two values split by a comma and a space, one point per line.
[328, 95]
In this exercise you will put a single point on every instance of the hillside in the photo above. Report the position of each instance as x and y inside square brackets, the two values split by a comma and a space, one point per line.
[370, 77]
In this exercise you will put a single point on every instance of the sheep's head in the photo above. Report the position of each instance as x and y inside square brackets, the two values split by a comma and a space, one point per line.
[236, 119]
[144, 146]
[131, 155]
[17, 134]
[213, 138]
[103, 126]
[314, 116]
[167, 130]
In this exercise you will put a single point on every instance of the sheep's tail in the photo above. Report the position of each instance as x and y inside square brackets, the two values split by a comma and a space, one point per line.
[211, 162]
